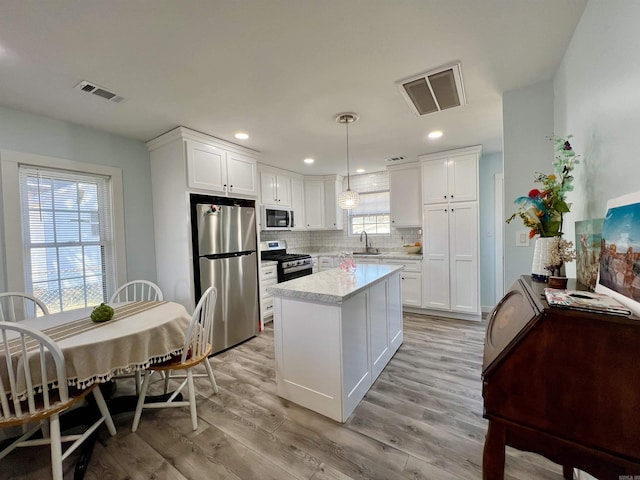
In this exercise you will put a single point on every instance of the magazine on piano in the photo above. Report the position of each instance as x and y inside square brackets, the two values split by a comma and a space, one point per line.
[586, 301]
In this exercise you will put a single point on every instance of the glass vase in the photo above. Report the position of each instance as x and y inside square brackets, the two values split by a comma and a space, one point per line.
[346, 263]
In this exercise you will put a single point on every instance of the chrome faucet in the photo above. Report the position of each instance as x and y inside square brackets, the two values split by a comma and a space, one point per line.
[366, 241]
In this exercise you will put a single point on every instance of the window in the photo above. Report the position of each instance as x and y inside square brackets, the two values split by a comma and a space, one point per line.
[371, 215]
[68, 249]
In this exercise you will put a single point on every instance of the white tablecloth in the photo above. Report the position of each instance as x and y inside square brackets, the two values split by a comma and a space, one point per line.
[117, 346]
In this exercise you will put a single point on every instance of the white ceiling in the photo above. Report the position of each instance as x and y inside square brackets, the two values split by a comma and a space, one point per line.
[280, 70]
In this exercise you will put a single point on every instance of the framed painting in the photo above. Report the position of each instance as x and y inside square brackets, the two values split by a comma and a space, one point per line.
[619, 273]
[588, 239]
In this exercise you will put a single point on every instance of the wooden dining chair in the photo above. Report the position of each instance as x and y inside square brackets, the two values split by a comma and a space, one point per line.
[137, 291]
[197, 348]
[34, 393]
[16, 306]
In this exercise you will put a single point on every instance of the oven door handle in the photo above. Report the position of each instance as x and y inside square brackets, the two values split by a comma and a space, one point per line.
[306, 266]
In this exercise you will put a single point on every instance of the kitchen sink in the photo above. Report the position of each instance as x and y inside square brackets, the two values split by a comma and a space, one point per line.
[367, 253]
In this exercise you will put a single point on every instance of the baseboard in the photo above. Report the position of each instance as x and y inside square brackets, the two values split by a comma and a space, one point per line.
[444, 314]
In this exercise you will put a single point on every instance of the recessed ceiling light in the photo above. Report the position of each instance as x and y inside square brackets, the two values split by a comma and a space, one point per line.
[435, 134]
[308, 160]
[360, 170]
[242, 136]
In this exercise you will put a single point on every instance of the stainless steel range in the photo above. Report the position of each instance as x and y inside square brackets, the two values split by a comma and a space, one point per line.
[290, 265]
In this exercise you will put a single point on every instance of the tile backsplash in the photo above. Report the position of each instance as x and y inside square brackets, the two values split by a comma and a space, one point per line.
[339, 240]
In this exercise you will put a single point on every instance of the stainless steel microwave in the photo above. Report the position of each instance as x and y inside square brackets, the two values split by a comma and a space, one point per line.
[276, 218]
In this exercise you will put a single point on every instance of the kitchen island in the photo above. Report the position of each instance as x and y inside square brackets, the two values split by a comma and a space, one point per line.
[334, 334]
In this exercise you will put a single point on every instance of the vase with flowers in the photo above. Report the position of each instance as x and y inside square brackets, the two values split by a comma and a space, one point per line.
[543, 209]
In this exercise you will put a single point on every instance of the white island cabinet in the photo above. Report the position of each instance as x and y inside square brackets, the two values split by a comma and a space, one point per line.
[334, 334]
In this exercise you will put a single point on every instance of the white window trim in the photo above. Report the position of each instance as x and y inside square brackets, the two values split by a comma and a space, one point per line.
[10, 162]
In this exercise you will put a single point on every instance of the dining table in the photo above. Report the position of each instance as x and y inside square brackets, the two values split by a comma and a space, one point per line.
[138, 335]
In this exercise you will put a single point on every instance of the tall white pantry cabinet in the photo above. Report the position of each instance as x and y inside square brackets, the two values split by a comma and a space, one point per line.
[451, 270]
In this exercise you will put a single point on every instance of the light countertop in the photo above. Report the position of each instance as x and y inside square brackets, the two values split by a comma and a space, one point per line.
[332, 286]
[388, 255]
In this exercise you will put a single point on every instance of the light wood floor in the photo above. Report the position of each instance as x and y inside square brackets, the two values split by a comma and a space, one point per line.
[422, 419]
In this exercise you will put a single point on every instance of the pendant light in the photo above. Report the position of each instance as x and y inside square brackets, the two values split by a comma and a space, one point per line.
[348, 199]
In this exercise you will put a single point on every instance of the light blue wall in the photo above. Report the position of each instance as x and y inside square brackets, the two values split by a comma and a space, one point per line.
[489, 166]
[596, 99]
[527, 123]
[25, 132]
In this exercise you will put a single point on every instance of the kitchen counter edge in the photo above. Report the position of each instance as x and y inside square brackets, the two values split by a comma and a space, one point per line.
[332, 286]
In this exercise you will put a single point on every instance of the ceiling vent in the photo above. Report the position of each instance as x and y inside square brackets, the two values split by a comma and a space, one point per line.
[99, 91]
[396, 159]
[435, 90]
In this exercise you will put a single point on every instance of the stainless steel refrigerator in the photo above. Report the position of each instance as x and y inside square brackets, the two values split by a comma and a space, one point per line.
[228, 260]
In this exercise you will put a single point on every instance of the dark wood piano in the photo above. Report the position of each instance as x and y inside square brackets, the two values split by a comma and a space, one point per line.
[562, 383]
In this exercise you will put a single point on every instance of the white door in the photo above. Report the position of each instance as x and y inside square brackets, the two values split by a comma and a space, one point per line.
[463, 235]
[206, 167]
[435, 271]
[241, 175]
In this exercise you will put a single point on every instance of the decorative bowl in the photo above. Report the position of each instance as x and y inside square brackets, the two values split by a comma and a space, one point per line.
[412, 248]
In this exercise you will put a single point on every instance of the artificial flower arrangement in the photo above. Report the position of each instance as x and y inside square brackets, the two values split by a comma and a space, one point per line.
[542, 210]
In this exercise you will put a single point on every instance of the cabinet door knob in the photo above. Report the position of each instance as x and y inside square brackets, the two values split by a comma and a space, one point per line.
[451, 196]
[445, 209]
[445, 196]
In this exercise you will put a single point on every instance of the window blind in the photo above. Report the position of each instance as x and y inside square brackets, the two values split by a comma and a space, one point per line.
[67, 235]
[375, 203]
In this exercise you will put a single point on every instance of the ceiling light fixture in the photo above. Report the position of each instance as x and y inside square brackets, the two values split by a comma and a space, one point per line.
[308, 161]
[242, 136]
[348, 199]
[360, 170]
[435, 134]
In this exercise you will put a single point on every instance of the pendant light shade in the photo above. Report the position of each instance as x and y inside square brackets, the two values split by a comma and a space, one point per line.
[348, 199]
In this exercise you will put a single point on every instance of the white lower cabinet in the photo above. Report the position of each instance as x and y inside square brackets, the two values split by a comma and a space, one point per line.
[411, 281]
[325, 263]
[268, 277]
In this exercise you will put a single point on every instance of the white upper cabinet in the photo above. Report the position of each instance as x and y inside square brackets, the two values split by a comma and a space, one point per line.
[314, 203]
[241, 175]
[275, 189]
[297, 204]
[333, 213]
[404, 194]
[216, 168]
[206, 166]
[321, 208]
[450, 176]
